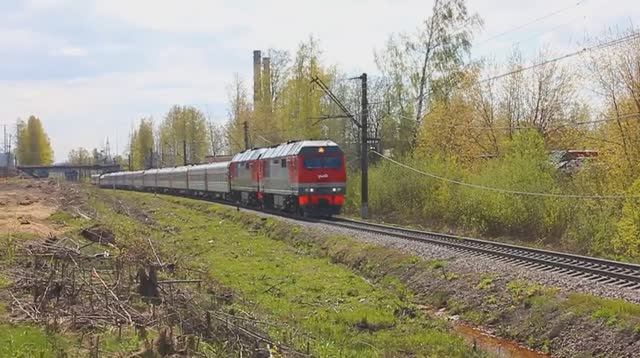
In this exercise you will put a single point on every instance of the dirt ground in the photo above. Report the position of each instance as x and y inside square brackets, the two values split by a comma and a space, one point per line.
[26, 204]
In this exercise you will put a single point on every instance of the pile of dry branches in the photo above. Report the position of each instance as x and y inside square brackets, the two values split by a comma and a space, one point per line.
[76, 286]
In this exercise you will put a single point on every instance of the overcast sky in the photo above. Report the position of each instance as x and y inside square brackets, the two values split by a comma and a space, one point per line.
[90, 68]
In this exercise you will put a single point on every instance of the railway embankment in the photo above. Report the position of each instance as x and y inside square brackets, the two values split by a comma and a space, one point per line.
[559, 315]
[143, 274]
[238, 281]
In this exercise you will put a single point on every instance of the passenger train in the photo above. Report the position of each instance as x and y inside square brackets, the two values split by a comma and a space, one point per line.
[306, 177]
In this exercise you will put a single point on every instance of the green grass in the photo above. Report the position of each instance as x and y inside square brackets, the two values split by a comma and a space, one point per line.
[314, 301]
[9, 242]
[125, 341]
[522, 291]
[486, 283]
[611, 311]
[28, 341]
[337, 296]
[4, 281]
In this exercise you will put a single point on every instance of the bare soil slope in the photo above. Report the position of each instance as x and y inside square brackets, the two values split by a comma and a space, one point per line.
[25, 206]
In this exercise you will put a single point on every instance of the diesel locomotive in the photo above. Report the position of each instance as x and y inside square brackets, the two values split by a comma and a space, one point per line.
[306, 177]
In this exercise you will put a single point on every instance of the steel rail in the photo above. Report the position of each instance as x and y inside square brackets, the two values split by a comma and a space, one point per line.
[607, 271]
[615, 272]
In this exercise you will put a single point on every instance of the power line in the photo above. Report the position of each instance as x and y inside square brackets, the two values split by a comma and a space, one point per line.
[566, 125]
[572, 54]
[518, 27]
[547, 31]
[507, 191]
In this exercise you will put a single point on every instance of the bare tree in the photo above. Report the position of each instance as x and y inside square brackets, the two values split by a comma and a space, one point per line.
[217, 138]
[617, 74]
[430, 55]
[280, 64]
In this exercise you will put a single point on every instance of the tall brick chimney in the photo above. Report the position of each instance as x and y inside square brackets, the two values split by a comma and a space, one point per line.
[257, 78]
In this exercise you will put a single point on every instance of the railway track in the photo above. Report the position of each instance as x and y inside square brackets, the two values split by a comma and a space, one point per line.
[616, 273]
[604, 271]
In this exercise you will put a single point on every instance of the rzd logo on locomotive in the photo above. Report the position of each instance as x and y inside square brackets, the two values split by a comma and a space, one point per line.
[323, 176]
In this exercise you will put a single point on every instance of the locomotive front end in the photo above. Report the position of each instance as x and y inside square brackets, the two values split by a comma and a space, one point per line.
[322, 180]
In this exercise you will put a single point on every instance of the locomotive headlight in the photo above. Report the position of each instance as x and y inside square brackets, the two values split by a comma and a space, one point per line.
[334, 189]
[311, 190]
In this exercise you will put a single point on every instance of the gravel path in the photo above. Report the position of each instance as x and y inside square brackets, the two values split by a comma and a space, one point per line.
[464, 262]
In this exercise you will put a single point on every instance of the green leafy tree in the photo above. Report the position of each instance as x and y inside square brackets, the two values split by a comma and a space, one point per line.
[142, 145]
[301, 103]
[239, 112]
[34, 147]
[626, 242]
[183, 136]
[80, 156]
[100, 156]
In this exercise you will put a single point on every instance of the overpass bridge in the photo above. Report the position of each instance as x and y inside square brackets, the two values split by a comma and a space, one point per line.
[67, 171]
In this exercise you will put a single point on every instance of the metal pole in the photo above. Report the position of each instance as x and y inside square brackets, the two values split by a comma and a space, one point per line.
[364, 151]
[184, 151]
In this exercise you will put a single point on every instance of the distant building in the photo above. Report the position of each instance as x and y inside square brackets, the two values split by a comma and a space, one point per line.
[570, 161]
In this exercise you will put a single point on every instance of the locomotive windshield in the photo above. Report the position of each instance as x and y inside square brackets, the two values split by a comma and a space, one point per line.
[323, 162]
[329, 157]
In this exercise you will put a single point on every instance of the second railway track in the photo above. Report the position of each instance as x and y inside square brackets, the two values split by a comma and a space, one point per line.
[604, 271]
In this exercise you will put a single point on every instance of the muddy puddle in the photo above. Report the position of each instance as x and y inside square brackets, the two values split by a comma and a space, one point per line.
[483, 341]
[494, 346]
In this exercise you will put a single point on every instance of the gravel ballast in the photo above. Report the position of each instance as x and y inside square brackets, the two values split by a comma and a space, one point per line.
[465, 262]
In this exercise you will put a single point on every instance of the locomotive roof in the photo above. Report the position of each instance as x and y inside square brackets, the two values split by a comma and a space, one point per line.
[281, 150]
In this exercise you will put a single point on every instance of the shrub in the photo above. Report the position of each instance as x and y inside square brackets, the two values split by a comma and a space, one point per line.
[626, 242]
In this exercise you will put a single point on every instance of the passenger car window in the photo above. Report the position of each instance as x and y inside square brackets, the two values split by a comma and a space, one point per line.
[283, 163]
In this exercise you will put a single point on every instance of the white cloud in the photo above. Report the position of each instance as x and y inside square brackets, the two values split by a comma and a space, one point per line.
[70, 51]
[346, 29]
[40, 5]
[82, 111]
[18, 39]
[350, 30]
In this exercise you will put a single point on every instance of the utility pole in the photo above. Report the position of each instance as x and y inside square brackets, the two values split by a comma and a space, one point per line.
[245, 125]
[363, 125]
[150, 158]
[364, 151]
[184, 140]
[184, 151]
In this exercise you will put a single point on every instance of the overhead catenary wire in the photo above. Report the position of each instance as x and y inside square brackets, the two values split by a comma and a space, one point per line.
[506, 191]
[601, 46]
[521, 26]
[624, 117]
[632, 36]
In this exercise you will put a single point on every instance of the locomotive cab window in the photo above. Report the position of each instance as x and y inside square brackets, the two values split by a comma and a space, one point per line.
[323, 162]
